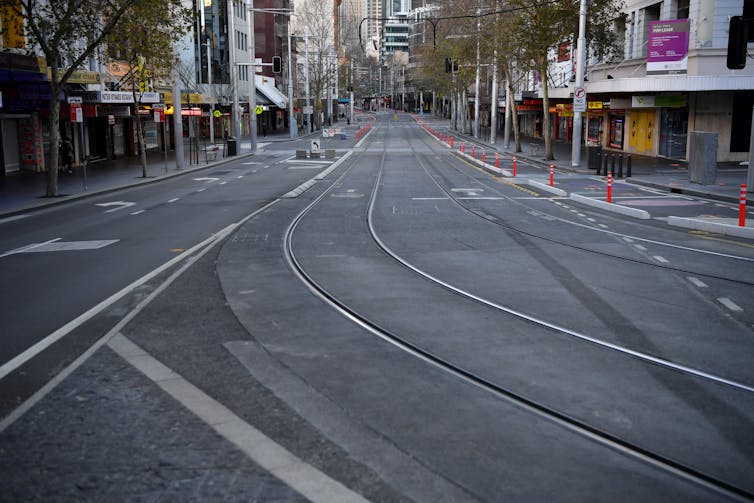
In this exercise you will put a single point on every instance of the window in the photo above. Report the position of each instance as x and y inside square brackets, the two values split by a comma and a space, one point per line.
[683, 9]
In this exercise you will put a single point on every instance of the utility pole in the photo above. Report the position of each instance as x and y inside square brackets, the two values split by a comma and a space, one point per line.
[291, 119]
[306, 71]
[478, 72]
[252, 79]
[235, 119]
[577, 117]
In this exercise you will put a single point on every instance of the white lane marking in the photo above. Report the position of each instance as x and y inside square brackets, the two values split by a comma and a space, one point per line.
[138, 212]
[239, 176]
[57, 245]
[660, 259]
[603, 226]
[173, 200]
[200, 190]
[696, 282]
[30, 247]
[120, 205]
[251, 162]
[206, 179]
[13, 218]
[429, 198]
[301, 476]
[480, 198]
[627, 239]
[223, 183]
[640, 247]
[591, 219]
[729, 304]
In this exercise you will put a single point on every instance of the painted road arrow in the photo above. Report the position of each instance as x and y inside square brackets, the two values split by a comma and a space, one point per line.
[120, 205]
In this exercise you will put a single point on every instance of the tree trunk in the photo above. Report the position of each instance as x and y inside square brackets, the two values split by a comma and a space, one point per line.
[52, 169]
[546, 110]
[140, 142]
[512, 104]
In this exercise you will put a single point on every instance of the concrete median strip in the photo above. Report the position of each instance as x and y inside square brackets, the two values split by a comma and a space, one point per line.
[546, 188]
[615, 208]
[711, 226]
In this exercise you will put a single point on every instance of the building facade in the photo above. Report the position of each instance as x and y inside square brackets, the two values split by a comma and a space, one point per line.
[671, 80]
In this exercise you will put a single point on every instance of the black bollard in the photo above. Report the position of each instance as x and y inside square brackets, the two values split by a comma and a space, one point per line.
[628, 166]
[612, 164]
[620, 165]
[598, 158]
[603, 168]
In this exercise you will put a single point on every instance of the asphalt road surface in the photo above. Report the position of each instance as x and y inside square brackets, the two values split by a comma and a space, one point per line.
[418, 329]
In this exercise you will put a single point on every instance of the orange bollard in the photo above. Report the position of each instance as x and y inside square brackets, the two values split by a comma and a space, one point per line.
[497, 159]
[742, 206]
[473, 151]
[552, 175]
[514, 165]
[484, 157]
[609, 187]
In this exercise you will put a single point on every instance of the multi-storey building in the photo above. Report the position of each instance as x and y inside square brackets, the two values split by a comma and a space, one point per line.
[671, 80]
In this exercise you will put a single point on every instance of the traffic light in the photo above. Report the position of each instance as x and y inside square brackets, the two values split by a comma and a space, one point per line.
[738, 38]
[277, 64]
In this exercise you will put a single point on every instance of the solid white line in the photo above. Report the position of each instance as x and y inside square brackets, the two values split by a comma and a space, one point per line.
[696, 282]
[299, 475]
[729, 304]
[173, 200]
[429, 198]
[28, 247]
[660, 259]
[13, 218]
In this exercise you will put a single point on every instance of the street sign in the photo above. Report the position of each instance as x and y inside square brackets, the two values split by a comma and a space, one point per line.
[217, 113]
[258, 110]
[315, 147]
[579, 99]
[159, 113]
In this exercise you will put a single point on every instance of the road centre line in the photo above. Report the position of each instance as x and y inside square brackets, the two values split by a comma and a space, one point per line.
[729, 304]
[696, 282]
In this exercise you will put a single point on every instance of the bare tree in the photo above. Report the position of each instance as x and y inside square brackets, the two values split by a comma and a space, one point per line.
[316, 15]
[147, 49]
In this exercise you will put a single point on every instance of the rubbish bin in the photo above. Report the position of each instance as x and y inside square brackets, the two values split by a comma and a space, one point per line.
[594, 156]
[231, 146]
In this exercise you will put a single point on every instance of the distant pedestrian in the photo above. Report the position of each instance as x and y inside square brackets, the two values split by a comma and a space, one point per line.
[66, 155]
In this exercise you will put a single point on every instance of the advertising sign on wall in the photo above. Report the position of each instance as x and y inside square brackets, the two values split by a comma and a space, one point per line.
[668, 47]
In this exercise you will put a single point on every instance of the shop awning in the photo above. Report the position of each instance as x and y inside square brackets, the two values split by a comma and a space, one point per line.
[266, 86]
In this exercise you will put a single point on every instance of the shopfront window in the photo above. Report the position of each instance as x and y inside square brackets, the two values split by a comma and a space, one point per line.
[616, 130]
[594, 130]
[673, 132]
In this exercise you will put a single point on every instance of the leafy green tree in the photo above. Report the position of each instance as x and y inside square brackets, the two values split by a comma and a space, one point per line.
[144, 38]
[67, 32]
[540, 25]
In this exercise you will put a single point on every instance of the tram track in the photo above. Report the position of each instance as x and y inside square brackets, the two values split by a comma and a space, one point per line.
[500, 221]
[543, 410]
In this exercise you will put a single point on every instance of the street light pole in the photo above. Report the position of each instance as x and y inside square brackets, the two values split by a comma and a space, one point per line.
[252, 79]
[478, 75]
[306, 71]
[291, 120]
[235, 126]
[577, 115]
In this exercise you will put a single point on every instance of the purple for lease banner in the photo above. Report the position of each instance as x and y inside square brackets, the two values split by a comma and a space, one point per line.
[668, 46]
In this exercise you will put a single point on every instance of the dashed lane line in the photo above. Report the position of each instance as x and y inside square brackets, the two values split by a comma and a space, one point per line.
[729, 304]
[660, 259]
[696, 282]
[173, 200]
